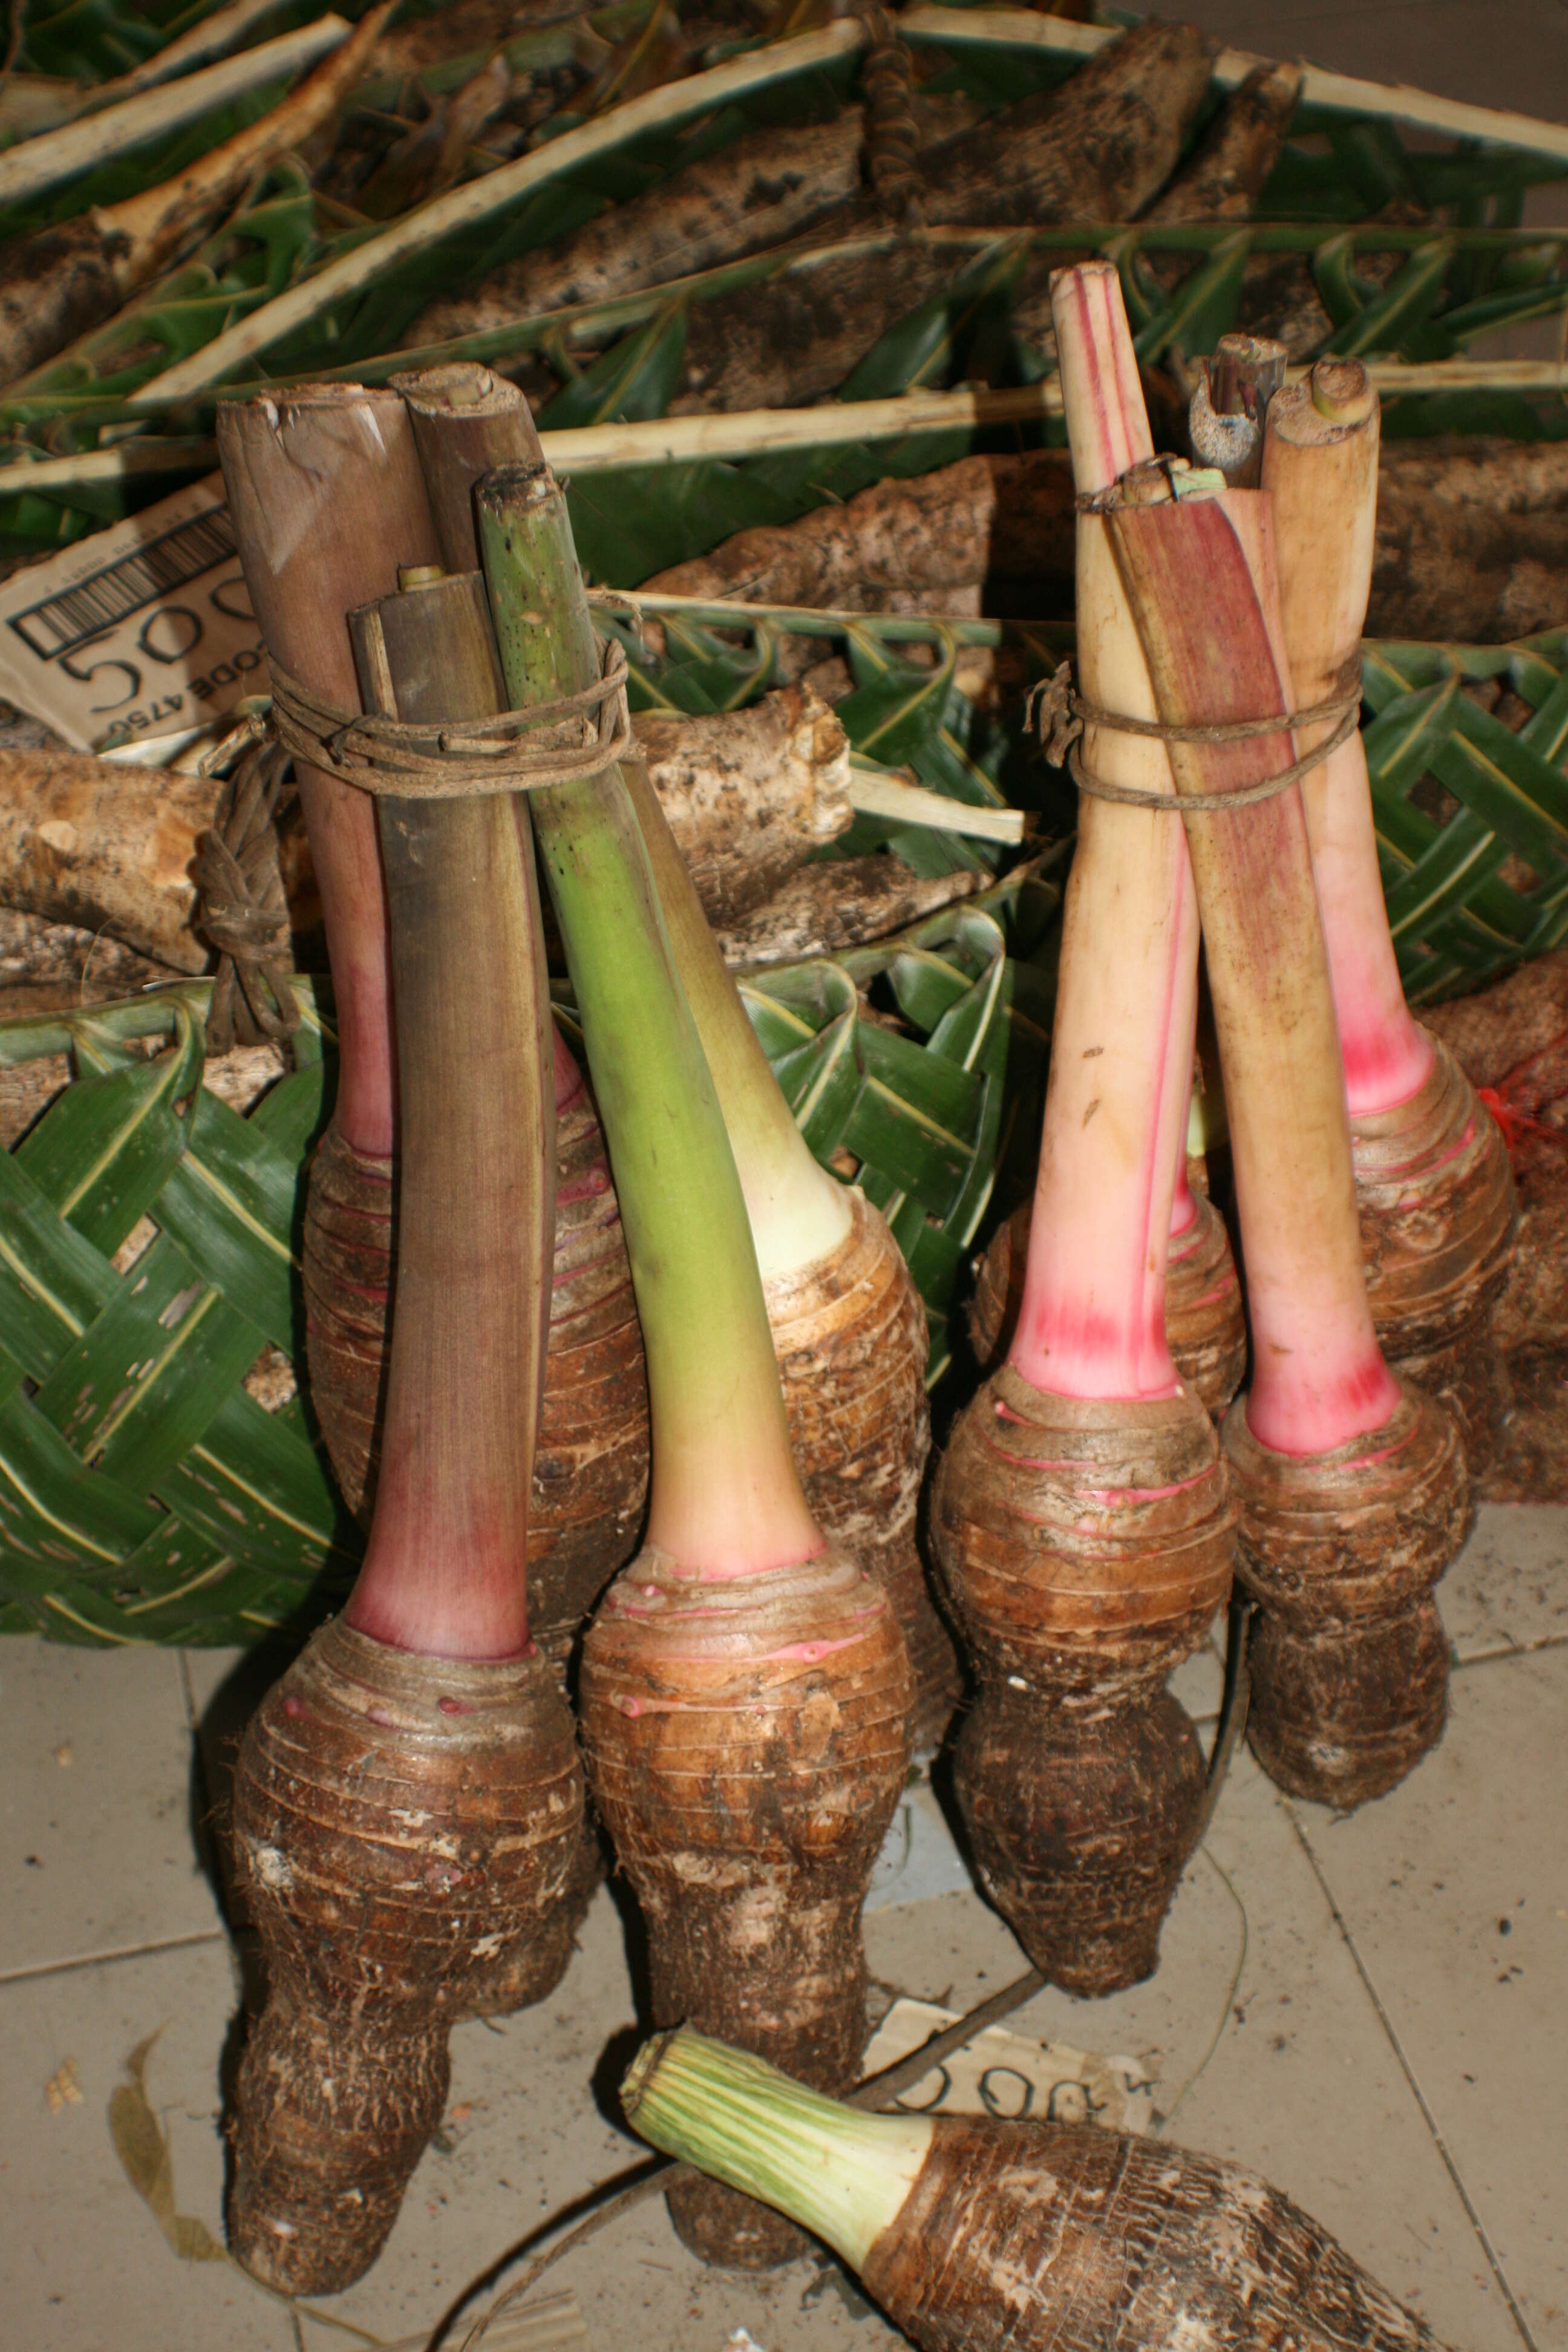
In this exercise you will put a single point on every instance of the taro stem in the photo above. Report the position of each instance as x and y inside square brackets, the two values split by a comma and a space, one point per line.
[408, 1805]
[1351, 1489]
[1092, 1323]
[1080, 1513]
[443, 1570]
[1319, 467]
[1433, 1180]
[745, 1687]
[971, 2232]
[847, 1325]
[329, 501]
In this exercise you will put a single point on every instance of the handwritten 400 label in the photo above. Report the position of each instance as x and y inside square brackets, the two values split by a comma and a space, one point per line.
[138, 631]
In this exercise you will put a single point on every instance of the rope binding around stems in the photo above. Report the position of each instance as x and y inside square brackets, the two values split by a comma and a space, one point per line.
[1064, 714]
[566, 742]
[892, 126]
[243, 910]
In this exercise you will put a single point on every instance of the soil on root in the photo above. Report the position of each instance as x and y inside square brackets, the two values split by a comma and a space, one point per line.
[1066, 2238]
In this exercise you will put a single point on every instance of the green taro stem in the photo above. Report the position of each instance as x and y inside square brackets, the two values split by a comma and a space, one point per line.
[798, 1211]
[834, 2169]
[726, 1496]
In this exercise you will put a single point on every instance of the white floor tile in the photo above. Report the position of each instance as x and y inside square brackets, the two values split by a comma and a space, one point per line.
[1509, 1588]
[1455, 1890]
[95, 1802]
[83, 2265]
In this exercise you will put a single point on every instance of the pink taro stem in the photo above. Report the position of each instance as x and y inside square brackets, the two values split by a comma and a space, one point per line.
[1319, 467]
[1092, 1323]
[1200, 577]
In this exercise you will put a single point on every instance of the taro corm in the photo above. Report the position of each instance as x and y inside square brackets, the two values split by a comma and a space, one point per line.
[1044, 2237]
[746, 1692]
[408, 1803]
[1350, 1483]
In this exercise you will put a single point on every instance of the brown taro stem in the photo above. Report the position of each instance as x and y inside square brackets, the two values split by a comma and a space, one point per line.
[62, 282]
[1205, 1326]
[591, 1462]
[1080, 1516]
[1433, 1180]
[1324, 1414]
[972, 2231]
[346, 2069]
[746, 1691]
[847, 1324]
[443, 1569]
[404, 1830]
[329, 501]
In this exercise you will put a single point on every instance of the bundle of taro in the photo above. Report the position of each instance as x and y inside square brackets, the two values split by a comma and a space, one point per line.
[1087, 1513]
[707, 1374]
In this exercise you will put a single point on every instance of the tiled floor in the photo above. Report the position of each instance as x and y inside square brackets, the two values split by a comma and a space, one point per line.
[1374, 2013]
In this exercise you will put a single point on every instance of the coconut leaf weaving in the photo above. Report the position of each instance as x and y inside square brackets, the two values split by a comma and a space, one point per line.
[149, 1233]
[148, 1261]
[1466, 753]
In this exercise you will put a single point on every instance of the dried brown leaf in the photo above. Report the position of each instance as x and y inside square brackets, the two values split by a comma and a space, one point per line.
[143, 2151]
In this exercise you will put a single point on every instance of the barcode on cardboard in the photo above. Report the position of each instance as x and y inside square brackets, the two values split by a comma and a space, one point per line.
[61, 623]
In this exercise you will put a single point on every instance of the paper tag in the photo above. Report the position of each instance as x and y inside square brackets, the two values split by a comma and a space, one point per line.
[1002, 2073]
[138, 631]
